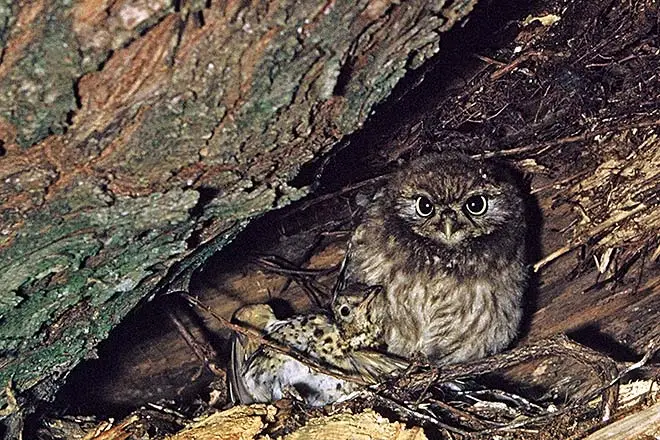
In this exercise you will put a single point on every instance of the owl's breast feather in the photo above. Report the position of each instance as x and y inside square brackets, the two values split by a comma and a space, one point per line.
[430, 309]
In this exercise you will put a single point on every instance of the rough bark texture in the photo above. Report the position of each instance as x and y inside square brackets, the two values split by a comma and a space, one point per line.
[134, 132]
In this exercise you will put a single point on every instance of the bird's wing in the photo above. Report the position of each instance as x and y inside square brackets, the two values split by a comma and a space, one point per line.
[240, 355]
[373, 365]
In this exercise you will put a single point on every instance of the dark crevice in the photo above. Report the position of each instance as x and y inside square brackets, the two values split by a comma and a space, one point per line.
[101, 65]
[199, 18]
[76, 93]
[147, 323]
[344, 77]
[206, 196]
[195, 238]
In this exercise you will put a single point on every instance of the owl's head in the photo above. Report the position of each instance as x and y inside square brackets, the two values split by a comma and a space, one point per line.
[454, 201]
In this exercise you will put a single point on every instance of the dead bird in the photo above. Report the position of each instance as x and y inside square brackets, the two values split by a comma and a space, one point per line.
[342, 344]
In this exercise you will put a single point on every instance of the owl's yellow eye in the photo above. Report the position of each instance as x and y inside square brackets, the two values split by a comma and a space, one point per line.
[476, 205]
[424, 207]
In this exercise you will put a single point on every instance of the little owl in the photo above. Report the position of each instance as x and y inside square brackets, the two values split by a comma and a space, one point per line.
[444, 238]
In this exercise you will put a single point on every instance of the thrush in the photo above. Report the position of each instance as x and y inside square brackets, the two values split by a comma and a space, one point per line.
[341, 343]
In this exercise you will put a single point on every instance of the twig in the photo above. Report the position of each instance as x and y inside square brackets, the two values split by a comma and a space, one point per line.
[610, 406]
[503, 70]
[462, 414]
[503, 395]
[396, 406]
[282, 266]
[519, 424]
[651, 349]
[304, 277]
[275, 346]
[204, 351]
[489, 60]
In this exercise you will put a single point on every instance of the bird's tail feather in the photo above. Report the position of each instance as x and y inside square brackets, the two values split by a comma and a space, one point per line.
[238, 392]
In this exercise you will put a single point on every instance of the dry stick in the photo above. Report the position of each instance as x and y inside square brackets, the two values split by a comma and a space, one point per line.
[542, 147]
[651, 349]
[502, 395]
[282, 266]
[280, 348]
[304, 277]
[463, 414]
[506, 68]
[204, 351]
[428, 385]
[598, 229]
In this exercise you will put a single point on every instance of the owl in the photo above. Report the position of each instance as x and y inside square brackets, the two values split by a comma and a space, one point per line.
[341, 343]
[445, 240]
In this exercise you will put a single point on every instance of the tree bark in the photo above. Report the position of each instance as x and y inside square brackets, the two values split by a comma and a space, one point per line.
[136, 138]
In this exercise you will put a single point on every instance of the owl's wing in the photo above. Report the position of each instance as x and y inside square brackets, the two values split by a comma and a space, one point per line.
[241, 352]
[373, 365]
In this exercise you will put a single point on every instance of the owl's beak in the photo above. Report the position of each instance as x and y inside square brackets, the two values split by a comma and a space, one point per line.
[447, 223]
[448, 227]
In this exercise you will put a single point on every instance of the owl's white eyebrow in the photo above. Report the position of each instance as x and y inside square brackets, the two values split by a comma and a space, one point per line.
[414, 195]
[488, 191]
